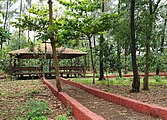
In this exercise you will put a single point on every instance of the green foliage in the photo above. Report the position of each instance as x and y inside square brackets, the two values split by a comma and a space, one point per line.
[34, 118]
[62, 117]
[15, 41]
[4, 35]
[37, 22]
[157, 79]
[120, 78]
[40, 118]
[4, 59]
[34, 92]
[108, 90]
[35, 110]
[80, 20]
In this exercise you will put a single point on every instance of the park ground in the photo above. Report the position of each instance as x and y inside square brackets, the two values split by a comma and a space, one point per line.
[16, 94]
[22, 99]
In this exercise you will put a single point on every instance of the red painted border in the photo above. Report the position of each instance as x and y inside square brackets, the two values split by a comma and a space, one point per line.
[2, 77]
[130, 75]
[80, 112]
[153, 110]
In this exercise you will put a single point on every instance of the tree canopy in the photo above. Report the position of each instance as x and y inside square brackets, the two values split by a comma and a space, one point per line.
[100, 27]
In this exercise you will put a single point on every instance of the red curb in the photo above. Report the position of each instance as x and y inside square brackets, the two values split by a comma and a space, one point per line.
[2, 77]
[130, 75]
[149, 109]
[80, 112]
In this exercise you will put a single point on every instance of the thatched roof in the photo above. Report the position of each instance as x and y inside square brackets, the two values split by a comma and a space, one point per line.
[64, 53]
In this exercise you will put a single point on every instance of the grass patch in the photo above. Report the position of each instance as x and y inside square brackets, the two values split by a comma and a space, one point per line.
[84, 80]
[62, 117]
[155, 80]
[35, 110]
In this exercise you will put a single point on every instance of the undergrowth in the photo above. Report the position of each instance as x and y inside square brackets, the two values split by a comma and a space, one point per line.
[35, 110]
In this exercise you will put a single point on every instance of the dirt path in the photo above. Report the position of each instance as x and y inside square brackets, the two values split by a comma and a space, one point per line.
[157, 94]
[106, 109]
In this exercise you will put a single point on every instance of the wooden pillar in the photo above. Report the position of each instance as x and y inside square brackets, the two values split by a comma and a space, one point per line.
[50, 67]
[49, 64]
[44, 61]
[85, 65]
[78, 61]
[71, 65]
[11, 69]
[88, 65]
[13, 65]
[71, 62]
[18, 65]
[43, 65]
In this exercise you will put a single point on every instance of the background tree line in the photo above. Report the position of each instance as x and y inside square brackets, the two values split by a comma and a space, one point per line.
[103, 28]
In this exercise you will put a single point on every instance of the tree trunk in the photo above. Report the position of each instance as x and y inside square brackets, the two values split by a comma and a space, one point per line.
[119, 49]
[146, 76]
[53, 44]
[125, 68]
[162, 44]
[101, 50]
[6, 14]
[147, 55]
[88, 65]
[119, 59]
[28, 33]
[94, 40]
[101, 58]
[5, 20]
[19, 27]
[136, 80]
[157, 70]
[91, 55]
[1, 44]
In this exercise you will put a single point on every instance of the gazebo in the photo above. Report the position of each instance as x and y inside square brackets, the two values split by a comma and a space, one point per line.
[40, 61]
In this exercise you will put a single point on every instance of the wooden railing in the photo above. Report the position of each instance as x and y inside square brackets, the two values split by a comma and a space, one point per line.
[21, 71]
[72, 70]
[63, 70]
[26, 69]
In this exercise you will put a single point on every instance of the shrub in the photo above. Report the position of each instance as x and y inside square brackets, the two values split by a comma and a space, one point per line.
[62, 117]
[35, 110]
[157, 78]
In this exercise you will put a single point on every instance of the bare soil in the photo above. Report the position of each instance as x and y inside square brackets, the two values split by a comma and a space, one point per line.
[107, 110]
[156, 95]
[15, 94]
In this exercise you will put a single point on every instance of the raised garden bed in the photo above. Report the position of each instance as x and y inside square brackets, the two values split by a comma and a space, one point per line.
[153, 110]
[108, 110]
[104, 108]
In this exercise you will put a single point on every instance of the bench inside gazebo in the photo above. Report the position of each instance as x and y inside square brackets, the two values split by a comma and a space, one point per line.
[38, 61]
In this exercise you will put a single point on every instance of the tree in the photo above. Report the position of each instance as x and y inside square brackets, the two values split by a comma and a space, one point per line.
[28, 33]
[152, 10]
[5, 20]
[82, 22]
[19, 27]
[119, 48]
[37, 21]
[136, 80]
[4, 35]
[121, 33]
[53, 44]
[162, 42]
[101, 42]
